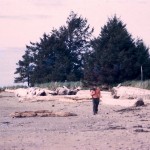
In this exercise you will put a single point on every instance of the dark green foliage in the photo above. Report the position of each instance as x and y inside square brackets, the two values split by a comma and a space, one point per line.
[69, 54]
[25, 68]
[60, 55]
[116, 57]
[143, 57]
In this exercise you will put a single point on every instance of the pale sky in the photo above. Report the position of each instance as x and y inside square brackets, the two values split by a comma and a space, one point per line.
[22, 21]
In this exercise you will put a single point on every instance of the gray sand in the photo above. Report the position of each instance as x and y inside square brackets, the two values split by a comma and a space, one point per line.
[113, 128]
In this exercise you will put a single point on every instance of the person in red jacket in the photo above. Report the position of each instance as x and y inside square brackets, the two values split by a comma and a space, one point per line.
[96, 94]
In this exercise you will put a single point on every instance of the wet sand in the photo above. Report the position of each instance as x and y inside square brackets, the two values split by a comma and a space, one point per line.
[113, 128]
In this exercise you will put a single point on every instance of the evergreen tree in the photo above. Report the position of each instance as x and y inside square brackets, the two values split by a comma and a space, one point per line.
[25, 69]
[78, 43]
[59, 56]
[114, 57]
[61, 66]
[143, 59]
[43, 58]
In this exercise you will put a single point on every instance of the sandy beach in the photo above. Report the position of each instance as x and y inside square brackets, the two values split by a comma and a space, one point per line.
[115, 127]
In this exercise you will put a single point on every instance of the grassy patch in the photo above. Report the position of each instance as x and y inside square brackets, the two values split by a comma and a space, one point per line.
[139, 84]
[54, 85]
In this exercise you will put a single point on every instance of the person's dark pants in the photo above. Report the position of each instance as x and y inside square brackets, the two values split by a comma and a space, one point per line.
[95, 105]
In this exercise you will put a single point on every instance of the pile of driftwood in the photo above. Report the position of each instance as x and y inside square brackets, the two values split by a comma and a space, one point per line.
[127, 92]
[34, 94]
[35, 91]
[41, 113]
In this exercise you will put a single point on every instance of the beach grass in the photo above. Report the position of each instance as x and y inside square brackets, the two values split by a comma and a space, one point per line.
[54, 85]
[139, 84]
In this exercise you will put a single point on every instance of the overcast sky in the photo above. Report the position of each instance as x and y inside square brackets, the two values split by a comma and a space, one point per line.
[22, 21]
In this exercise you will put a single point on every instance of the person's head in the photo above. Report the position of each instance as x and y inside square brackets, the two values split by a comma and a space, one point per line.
[94, 85]
[92, 89]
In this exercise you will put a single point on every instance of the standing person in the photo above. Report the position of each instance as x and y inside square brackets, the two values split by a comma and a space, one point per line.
[96, 94]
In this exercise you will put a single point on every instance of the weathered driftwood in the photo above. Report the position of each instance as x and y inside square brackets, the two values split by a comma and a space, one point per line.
[39, 94]
[82, 95]
[124, 92]
[65, 91]
[41, 113]
[30, 92]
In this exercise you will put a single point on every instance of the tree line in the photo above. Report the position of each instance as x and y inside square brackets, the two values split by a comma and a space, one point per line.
[71, 53]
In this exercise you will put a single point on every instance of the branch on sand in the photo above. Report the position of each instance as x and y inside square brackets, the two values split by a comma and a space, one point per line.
[41, 113]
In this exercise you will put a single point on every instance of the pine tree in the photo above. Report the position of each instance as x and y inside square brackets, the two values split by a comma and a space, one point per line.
[143, 59]
[114, 54]
[59, 56]
[78, 43]
[25, 69]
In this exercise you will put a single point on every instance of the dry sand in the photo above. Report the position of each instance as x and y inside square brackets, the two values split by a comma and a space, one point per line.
[115, 127]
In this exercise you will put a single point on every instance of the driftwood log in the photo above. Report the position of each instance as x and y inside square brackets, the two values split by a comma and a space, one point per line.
[127, 92]
[41, 113]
